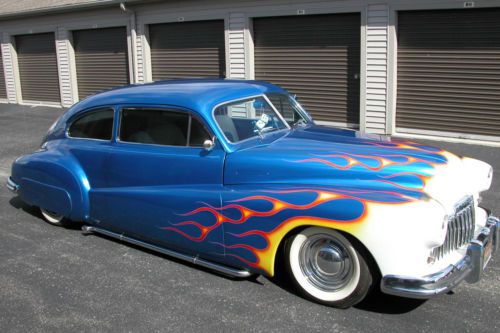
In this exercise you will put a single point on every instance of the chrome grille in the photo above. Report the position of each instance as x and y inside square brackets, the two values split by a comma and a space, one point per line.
[461, 227]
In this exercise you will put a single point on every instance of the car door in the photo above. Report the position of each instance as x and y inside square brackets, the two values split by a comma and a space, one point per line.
[159, 178]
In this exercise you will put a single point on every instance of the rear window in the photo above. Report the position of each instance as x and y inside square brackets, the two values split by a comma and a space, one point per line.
[96, 124]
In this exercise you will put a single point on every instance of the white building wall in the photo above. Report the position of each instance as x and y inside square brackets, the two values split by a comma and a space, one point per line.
[140, 54]
[64, 67]
[9, 64]
[236, 46]
[376, 33]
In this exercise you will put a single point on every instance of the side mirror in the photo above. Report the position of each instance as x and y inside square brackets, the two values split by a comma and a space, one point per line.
[208, 144]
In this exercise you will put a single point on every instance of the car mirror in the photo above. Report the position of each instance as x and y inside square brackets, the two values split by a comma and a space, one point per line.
[208, 144]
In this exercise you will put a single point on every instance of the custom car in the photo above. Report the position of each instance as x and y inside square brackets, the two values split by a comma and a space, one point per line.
[237, 177]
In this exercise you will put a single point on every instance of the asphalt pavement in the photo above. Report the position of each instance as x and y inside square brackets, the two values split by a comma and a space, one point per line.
[59, 280]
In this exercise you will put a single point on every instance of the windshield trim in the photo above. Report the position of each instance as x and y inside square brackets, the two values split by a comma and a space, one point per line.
[287, 126]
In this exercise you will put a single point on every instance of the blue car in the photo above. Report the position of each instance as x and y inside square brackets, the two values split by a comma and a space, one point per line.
[236, 176]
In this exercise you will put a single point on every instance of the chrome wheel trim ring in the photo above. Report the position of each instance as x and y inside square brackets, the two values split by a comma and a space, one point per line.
[326, 262]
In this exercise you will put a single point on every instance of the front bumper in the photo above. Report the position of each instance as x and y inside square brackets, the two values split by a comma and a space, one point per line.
[470, 268]
[12, 185]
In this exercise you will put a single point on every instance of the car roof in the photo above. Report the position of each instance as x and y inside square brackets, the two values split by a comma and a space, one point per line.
[200, 95]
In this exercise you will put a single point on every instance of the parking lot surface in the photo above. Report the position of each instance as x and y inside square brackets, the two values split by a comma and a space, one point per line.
[56, 279]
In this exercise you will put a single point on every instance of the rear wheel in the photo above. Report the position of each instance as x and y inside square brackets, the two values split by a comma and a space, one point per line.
[52, 217]
[325, 267]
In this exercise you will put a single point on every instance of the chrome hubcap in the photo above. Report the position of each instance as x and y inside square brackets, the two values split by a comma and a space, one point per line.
[326, 262]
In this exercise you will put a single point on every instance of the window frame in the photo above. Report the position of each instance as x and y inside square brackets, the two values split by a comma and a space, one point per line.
[189, 113]
[85, 113]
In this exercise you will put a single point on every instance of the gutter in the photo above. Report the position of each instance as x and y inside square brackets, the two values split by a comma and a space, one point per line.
[65, 8]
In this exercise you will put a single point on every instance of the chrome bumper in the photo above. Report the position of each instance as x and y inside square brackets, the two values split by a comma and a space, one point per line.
[11, 185]
[470, 268]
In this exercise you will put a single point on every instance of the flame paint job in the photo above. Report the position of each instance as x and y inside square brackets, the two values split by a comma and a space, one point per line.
[254, 225]
[419, 168]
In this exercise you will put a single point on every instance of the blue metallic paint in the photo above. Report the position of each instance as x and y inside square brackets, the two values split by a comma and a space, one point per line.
[228, 204]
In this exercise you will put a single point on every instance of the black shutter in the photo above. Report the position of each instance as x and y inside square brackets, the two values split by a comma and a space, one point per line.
[187, 50]
[316, 57]
[101, 59]
[36, 56]
[449, 71]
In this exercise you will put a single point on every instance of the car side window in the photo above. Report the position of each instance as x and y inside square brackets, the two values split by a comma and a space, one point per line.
[95, 124]
[198, 133]
[161, 127]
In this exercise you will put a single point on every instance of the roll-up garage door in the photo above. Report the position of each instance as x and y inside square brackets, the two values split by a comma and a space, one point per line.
[3, 90]
[449, 71]
[316, 57]
[101, 59]
[36, 56]
[187, 50]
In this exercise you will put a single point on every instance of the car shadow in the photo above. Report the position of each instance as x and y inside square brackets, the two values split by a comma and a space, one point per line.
[379, 302]
[173, 259]
[376, 301]
[17, 203]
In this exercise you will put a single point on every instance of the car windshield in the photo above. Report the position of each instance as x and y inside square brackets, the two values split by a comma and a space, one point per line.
[291, 111]
[248, 118]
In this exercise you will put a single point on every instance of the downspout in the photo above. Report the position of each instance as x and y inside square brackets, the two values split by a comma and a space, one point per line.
[133, 39]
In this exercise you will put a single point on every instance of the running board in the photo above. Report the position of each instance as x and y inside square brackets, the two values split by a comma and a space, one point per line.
[233, 272]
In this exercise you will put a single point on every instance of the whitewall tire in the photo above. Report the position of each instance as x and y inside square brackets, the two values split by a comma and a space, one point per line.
[325, 266]
[52, 218]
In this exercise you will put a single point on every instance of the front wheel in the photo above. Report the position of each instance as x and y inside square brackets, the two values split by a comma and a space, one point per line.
[325, 267]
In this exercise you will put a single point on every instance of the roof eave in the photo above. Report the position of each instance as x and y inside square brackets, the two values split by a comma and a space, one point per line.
[62, 9]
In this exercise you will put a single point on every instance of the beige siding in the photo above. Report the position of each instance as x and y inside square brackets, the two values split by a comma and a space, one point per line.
[63, 64]
[8, 67]
[376, 68]
[140, 55]
[236, 41]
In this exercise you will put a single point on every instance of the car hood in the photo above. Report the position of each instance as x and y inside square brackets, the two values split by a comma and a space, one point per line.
[324, 156]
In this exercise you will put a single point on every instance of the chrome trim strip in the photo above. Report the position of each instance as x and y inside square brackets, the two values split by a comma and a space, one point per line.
[194, 260]
[12, 186]
[469, 268]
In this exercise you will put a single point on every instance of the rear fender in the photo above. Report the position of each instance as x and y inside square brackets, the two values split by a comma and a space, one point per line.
[54, 182]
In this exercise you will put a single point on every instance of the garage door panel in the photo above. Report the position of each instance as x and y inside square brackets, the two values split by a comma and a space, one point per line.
[38, 73]
[187, 50]
[101, 57]
[449, 71]
[316, 57]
